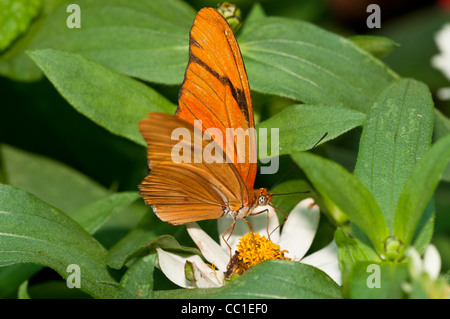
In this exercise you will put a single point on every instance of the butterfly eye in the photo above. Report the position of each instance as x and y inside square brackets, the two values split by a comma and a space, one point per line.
[262, 200]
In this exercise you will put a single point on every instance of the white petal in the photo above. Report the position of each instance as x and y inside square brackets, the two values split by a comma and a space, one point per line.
[300, 228]
[414, 263]
[442, 38]
[172, 266]
[442, 63]
[324, 256]
[326, 260]
[206, 277]
[210, 249]
[443, 93]
[432, 262]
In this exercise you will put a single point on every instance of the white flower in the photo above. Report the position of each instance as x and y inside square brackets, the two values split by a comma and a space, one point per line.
[431, 263]
[442, 60]
[424, 275]
[296, 237]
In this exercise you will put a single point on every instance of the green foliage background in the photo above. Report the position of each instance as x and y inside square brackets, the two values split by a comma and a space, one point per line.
[71, 156]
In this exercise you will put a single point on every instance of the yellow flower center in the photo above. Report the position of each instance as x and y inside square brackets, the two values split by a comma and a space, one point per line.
[253, 249]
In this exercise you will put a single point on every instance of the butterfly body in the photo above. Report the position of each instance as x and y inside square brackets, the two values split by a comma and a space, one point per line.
[214, 98]
[257, 197]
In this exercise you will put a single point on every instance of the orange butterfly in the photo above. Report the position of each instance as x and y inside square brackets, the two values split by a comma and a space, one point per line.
[216, 91]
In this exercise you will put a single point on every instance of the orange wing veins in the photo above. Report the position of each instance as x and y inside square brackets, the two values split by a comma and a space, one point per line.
[215, 88]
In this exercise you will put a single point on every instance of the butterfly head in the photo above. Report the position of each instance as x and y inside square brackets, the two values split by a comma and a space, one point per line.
[262, 197]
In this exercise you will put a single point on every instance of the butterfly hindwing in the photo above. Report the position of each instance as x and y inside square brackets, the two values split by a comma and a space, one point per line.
[182, 192]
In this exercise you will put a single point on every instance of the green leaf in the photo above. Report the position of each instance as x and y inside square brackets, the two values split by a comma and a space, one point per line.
[55, 289]
[256, 12]
[11, 277]
[371, 280]
[425, 228]
[396, 134]
[23, 291]
[61, 186]
[137, 283]
[143, 39]
[83, 199]
[419, 189]
[350, 252]
[348, 193]
[378, 46]
[147, 229]
[15, 17]
[277, 279]
[143, 239]
[51, 181]
[302, 126]
[442, 124]
[442, 128]
[166, 242]
[14, 62]
[108, 98]
[298, 60]
[92, 216]
[286, 203]
[32, 231]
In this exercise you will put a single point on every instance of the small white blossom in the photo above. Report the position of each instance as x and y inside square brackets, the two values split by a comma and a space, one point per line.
[441, 61]
[430, 264]
[424, 274]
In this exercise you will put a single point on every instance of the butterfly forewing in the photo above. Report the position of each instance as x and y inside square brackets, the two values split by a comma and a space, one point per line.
[216, 91]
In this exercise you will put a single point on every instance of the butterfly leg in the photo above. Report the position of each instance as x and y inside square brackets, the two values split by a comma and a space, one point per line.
[229, 230]
[262, 212]
[285, 218]
[267, 211]
[248, 223]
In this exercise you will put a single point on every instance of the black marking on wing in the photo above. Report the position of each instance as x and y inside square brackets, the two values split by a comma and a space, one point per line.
[238, 95]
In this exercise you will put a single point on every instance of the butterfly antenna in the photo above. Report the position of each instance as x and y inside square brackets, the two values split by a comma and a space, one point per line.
[293, 193]
[321, 139]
